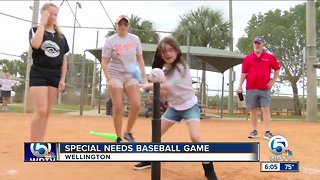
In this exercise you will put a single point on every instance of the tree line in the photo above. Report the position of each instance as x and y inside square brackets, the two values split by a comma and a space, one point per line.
[284, 31]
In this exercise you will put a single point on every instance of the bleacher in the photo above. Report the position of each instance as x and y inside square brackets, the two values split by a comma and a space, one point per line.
[144, 97]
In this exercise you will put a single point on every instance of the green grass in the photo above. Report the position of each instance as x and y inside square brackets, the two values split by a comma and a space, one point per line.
[64, 108]
[60, 109]
[72, 107]
[274, 117]
[15, 108]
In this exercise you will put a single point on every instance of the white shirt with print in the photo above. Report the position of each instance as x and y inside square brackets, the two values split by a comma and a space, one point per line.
[181, 95]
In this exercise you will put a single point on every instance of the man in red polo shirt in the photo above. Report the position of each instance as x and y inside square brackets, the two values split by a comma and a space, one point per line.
[256, 70]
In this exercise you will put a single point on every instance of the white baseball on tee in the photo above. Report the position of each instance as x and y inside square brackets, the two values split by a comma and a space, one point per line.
[157, 75]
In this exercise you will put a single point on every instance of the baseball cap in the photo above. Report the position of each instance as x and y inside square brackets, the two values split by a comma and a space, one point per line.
[122, 17]
[259, 39]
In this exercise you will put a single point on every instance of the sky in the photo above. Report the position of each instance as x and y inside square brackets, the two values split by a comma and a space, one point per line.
[164, 15]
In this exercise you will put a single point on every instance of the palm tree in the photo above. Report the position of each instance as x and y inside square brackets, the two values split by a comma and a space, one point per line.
[144, 29]
[206, 26]
[207, 29]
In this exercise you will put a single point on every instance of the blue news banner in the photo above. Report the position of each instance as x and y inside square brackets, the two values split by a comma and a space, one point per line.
[117, 152]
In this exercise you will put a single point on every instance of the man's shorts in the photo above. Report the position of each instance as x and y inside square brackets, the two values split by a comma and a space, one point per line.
[174, 115]
[257, 98]
[44, 77]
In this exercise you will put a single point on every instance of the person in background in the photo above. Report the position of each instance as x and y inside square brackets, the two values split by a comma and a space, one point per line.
[48, 72]
[256, 70]
[6, 88]
[148, 106]
[123, 66]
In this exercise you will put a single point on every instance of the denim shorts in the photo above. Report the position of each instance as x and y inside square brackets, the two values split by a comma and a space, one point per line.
[257, 98]
[174, 115]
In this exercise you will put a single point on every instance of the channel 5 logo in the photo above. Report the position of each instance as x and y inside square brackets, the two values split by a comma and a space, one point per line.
[279, 147]
[42, 150]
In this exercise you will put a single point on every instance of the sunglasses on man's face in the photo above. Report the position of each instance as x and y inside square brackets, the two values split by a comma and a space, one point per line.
[257, 43]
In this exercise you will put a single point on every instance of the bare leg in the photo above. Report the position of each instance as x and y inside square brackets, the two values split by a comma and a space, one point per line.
[134, 96]
[52, 97]
[39, 122]
[117, 108]
[194, 130]
[253, 117]
[165, 125]
[5, 102]
[266, 117]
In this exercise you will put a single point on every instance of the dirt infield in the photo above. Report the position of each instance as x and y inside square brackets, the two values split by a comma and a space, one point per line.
[303, 140]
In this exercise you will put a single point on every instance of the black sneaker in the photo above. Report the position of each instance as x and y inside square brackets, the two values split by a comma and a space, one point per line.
[253, 134]
[128, 137]
[118, 140]
[142, 165]
[209, 171]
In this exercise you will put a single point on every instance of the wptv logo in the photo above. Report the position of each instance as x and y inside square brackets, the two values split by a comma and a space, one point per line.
[35, 152]
[279, 147]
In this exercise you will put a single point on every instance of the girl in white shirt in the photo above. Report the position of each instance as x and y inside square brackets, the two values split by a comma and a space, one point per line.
[6, 88]
[180, 95]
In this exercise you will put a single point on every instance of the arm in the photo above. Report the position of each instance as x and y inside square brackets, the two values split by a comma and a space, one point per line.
[163, 89]
[244, 73]
[140, 61]
[276, 75]
[276, 66]
[105, 66]
[106, 55]
[242, 78]
[38, 36]
[163, 93]
[274, 79]
[64, 68]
